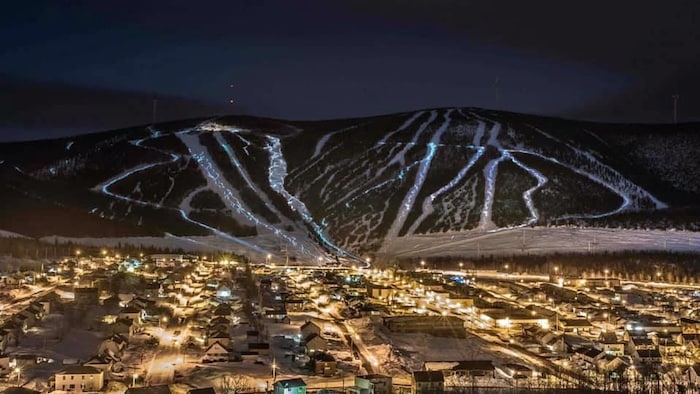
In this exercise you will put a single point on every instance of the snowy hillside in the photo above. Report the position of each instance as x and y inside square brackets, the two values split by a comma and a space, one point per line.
[349, 187]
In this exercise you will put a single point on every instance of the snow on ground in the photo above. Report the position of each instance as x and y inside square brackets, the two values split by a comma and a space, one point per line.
[540, 240]
[10, 234]
[398, 354]
[54, 338]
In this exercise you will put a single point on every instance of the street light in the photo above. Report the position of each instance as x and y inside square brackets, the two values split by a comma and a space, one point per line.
[422, 263]
[133, 379]
[274, 371]
[18, 371]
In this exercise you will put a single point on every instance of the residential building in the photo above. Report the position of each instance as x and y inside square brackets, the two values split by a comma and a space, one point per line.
[79, 378]
[290, 386]
[427, 382]
[372, 384]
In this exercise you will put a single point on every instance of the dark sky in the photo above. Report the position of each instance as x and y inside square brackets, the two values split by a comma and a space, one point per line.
[76, 66]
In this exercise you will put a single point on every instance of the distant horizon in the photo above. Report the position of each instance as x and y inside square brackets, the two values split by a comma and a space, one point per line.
[69, 132]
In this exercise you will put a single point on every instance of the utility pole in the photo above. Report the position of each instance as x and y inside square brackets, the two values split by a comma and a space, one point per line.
[675, 108]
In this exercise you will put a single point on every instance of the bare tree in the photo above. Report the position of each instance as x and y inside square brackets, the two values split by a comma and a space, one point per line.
[234, 384]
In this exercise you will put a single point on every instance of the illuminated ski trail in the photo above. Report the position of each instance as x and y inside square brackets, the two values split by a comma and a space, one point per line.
[427, 207]
[479, 134]
[69, 145]
[311, 163]
[410, 198]
[399, 177]
[400, 158]
[245, 141]
[105, 185]
[170, 189]
[326, 137]
[277, 172]
[623, 183]
[403, 126]
[626, 199]
[104, 188]
[218, 183]
[490, 172]
[527, 195]
[234, 159]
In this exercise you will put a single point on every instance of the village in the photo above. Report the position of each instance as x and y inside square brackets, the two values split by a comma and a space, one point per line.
[98, 321]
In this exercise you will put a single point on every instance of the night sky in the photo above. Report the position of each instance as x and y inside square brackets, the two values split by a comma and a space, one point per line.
[77, 66]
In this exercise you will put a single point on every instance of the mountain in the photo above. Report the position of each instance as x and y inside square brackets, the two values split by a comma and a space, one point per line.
[354, 186]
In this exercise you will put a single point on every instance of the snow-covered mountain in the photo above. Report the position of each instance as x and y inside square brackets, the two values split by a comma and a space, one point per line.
[353, 186]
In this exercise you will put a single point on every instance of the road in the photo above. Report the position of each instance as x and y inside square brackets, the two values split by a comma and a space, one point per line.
[161, 369]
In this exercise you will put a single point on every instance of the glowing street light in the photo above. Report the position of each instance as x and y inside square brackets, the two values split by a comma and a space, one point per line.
[422, 263]
[133, 379]
[18, 371]
[274, 370]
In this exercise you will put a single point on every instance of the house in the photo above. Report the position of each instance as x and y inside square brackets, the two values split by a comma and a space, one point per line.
[6, 364]
[86, 297]
[693, 374]
[113, 346]
[575, 326]
[80, 378]
[252, 335]
[262, 349]
[609, 344]
[648, 356]
[100, 362]
[290, 386]
[219, 336]
[293, 304]
[427, 382]
[4, 338]
[315, 343]
[372, 384]
[159, 389]
[223, 292]
[131, 312]
[125, 327]
[324, 364]
[309, 328]
[9, 335]
[518, 371]
[216, 352]
[223, 310]
[590, 356]
[690, 326]
[461, 368]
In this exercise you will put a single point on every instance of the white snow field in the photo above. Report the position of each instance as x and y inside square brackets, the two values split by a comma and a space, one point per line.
[541, 240]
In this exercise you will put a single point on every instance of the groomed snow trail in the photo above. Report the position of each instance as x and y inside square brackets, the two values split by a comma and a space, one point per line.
[410, 198]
